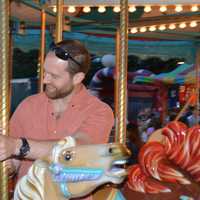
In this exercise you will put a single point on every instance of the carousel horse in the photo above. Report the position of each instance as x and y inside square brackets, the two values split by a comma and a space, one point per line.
[170, 154]
[73, 171]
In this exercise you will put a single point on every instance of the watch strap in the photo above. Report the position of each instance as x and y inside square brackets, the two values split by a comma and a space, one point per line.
[24, 149]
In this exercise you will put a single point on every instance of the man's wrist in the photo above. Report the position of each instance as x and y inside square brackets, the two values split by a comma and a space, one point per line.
[18, 144]
[22, 148]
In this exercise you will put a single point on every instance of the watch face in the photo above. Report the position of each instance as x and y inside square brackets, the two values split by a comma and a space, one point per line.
[25, 148]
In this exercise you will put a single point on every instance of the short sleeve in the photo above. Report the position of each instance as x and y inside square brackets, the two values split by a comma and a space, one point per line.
[98, 124]
[16, 123]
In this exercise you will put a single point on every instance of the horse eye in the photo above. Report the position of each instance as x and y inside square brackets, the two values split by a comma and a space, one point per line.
[67, 156]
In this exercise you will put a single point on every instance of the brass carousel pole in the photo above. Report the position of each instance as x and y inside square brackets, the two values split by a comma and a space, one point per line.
[42, 50]
[59, 20]
[116, 80]
[122, 79]
[197, 67]
[4, 87]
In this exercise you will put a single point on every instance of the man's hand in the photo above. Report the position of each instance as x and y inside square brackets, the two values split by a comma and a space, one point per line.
[8, 147]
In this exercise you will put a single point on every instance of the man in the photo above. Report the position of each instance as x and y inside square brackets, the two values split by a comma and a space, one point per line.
[65, 108]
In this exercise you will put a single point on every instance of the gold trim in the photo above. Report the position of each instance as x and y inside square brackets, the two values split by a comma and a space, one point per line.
[59, 21]
[42, 51]
[4, 87]
[122, 85]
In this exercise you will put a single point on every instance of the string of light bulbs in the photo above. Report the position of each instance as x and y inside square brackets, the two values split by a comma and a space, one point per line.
[132, 8]
[162, 27]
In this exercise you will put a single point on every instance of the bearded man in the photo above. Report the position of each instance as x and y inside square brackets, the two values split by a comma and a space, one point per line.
[65, 108]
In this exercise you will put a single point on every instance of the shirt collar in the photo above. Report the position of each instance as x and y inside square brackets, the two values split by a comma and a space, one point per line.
[78, 98]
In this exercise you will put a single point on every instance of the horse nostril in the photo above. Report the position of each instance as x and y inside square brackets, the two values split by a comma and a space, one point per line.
[110, 150]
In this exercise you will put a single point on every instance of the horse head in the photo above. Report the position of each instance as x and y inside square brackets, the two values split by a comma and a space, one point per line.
[73, 171]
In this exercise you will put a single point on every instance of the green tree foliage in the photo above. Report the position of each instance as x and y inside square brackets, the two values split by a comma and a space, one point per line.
[25, 64]
[157, 65]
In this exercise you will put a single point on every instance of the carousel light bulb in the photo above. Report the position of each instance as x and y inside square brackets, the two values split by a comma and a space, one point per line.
[134, 30]
[54, 9]
[172, 26]
[182, 25]
[194, 8]
[86, 9]
[116, 9]
[163, 8]
[152, 28]
[143, 29]
[180, 62]
[193, 24]
[71, 9]
[162, 27]
[147, 9]
[132, 9]
[178, 8]
[101, 9]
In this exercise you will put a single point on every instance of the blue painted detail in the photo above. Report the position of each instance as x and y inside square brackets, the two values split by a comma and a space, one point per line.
[184, 197]
[64, 190]
[56, 168]
[69, 174]
[119, 196]
[63, 175]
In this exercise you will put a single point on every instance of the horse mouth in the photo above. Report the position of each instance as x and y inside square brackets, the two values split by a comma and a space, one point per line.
[118, 168]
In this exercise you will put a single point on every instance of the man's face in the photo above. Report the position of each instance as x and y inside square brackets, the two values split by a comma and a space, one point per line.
[58, 81]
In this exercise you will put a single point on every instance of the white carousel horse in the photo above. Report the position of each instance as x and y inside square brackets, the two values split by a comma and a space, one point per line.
[73, 171]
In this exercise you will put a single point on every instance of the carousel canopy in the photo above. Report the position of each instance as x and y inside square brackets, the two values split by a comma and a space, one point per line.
[116, 2]
[184, 74]
[172, 31]
[151, 19]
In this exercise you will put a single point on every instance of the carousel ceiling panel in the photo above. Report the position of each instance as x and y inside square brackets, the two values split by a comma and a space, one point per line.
[109, 19]
[27, 11]
[108, 22]
[116, 2]
[111, 23]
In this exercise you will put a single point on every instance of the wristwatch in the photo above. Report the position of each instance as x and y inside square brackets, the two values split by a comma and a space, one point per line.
[24, 149]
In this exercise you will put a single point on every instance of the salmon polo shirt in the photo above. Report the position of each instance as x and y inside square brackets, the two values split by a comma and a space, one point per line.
[34, 119]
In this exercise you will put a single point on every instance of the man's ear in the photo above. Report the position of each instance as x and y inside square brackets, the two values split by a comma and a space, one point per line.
[78, 78]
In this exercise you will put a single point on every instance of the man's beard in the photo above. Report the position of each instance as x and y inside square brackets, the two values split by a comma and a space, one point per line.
[54, 93]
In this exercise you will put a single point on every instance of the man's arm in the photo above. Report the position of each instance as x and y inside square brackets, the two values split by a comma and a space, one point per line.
[97, 128]
[9, 147]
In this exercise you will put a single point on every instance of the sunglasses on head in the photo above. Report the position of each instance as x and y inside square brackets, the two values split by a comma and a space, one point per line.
[63, 54]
